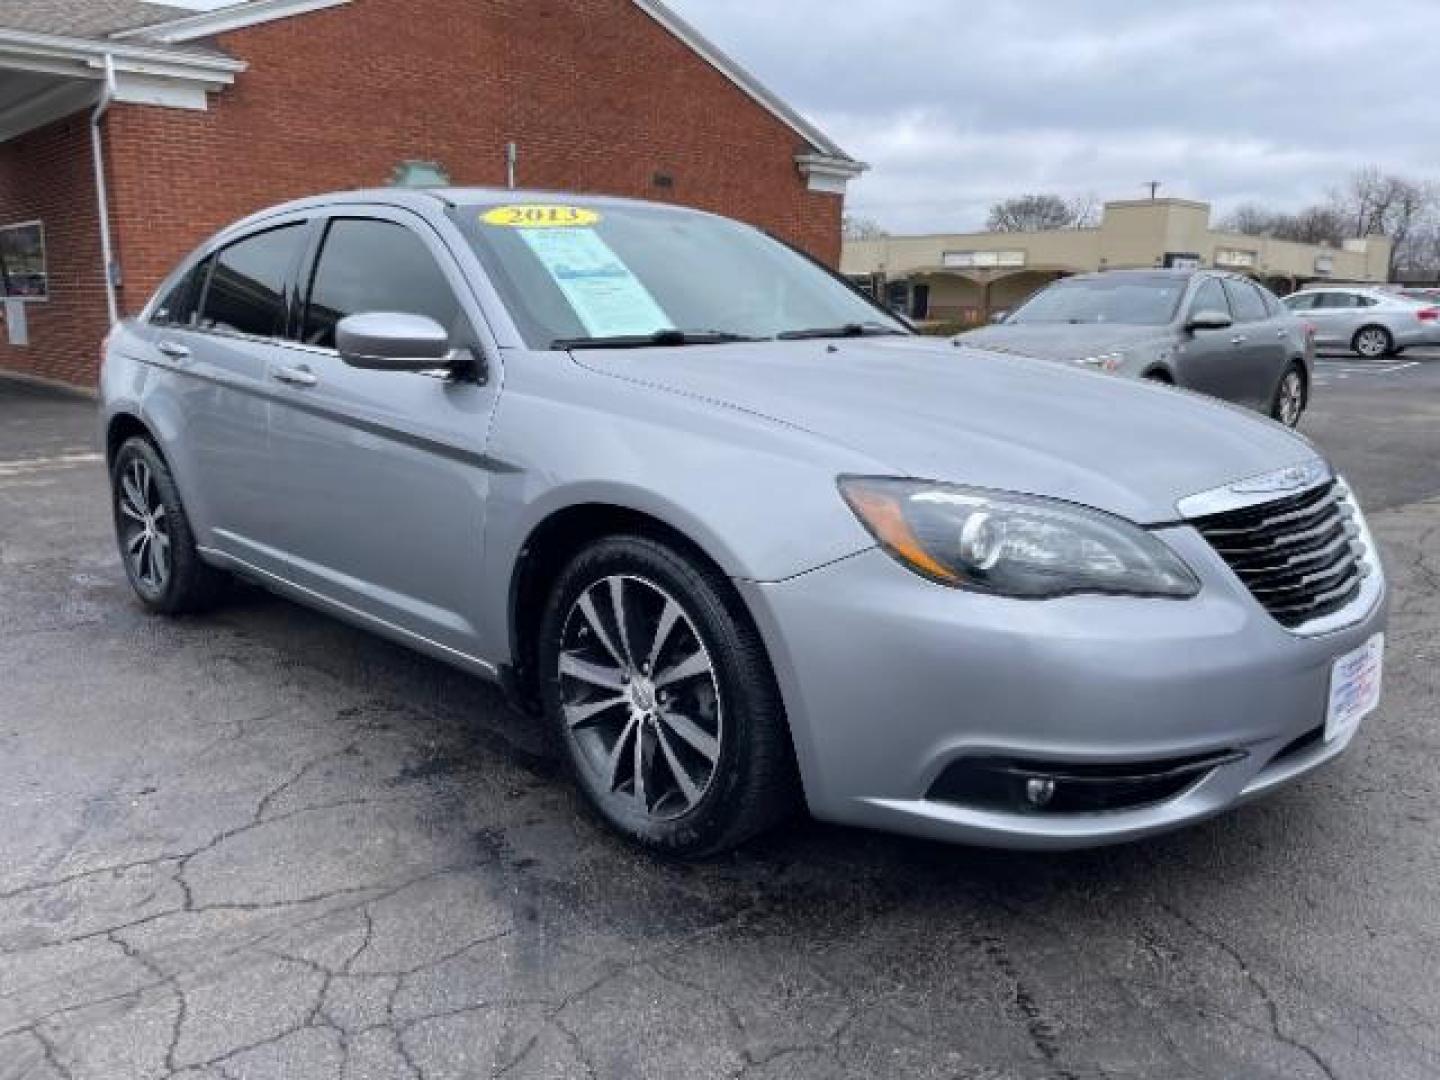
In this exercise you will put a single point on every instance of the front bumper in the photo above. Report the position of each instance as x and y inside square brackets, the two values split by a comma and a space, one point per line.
[888, 679]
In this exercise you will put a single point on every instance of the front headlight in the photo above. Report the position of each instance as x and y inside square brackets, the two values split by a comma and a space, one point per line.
[1013, 545]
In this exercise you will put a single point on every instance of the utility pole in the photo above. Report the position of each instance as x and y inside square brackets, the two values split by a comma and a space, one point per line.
[1154, 186]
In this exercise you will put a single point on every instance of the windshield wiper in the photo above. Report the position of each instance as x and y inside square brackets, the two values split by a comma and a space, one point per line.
[853, 329]
[658, 338]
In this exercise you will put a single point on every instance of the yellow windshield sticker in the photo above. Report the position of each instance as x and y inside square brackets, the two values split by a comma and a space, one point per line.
[540, 216]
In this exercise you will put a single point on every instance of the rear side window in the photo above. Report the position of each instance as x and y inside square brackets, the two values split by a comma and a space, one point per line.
[177, 307]
[371, 265]
[1272, 303]
[1245, 302]
[247, 288]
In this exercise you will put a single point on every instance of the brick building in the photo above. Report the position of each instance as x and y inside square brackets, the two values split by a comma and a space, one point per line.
[130, 130]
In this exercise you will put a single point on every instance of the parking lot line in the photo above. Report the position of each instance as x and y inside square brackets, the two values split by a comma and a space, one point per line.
[25, 466]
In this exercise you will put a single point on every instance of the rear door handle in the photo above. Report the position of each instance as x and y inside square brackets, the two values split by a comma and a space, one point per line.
[174, 350]
[295, 376]
[1282, 334]
[1240, 340]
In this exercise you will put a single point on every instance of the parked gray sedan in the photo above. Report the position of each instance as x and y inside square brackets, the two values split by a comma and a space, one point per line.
[1221, 334]
[1371, 322]
[731, 533]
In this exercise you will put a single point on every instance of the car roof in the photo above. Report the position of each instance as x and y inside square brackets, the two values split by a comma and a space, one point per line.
[1155, 273]
[429, 199]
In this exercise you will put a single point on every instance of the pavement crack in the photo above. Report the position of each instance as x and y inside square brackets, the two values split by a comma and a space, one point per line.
[1272, 1007]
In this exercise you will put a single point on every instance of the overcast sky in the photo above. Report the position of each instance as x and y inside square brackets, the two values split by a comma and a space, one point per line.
[958, 103]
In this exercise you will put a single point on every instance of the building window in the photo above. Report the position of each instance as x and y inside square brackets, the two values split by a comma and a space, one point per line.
[1236, 258]
[22, 262]
[962, 260]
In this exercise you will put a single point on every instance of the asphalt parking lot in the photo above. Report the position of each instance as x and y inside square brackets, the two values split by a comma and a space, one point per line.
[262, 844]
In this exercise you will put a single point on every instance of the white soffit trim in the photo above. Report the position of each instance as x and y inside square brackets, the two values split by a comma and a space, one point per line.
[225, 19]
[828, 174]
[747, 83]
[61, 99]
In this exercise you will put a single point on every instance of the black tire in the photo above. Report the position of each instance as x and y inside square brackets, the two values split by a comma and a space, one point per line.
[1158, 376]
[1280, 401]
[752, 781]
[187, 584]
[1360, 343]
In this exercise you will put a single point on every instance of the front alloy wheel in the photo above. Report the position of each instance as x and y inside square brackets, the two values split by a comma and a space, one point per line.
[661, 695]
[1373, 342]
[641, 701]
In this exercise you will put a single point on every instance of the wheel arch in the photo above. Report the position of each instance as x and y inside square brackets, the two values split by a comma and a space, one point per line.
[127, 425]
[549, 546]
[1159, 373]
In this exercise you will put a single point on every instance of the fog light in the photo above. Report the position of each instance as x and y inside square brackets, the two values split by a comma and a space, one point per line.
[1039, 791]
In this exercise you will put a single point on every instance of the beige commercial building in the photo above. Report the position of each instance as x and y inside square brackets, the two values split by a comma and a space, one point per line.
[966, 277]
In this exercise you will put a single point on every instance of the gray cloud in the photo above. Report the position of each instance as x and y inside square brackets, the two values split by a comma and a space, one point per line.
[958, 103]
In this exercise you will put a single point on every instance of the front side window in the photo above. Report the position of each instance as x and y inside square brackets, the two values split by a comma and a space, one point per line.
[247, 287]
[369, 265]
[1210, 297]
[23, 272]
[1301, 301]
[1245, 302]
[1334, 300]
[1127, 301]
[571, 274]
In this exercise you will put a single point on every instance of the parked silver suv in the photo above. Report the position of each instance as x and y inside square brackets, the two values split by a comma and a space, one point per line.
[734, 535]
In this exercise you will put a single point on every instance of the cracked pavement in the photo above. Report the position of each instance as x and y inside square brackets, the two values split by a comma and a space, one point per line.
[262, 844]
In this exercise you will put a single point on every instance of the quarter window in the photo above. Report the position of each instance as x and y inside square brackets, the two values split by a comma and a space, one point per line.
[1245, 301]
[247, 288]
[373, 265]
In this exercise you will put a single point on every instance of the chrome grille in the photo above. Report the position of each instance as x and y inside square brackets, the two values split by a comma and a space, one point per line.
[1302, 557]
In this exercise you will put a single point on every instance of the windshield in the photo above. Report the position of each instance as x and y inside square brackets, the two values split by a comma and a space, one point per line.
[1126, 301]
[571, 275]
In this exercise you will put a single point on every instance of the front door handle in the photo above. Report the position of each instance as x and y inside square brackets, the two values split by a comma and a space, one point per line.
[1238, 340]
[295, 376]
[174, 350]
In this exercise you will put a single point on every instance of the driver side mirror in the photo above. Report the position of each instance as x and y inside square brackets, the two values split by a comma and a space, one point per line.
[392, 341]
[1209, 320]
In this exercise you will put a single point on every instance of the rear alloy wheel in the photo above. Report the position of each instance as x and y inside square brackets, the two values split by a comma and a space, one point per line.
[663, 700]
[156, 545]
[1373, 342]
[1289, 402]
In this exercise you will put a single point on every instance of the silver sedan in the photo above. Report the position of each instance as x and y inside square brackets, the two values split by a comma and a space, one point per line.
[731, 534]
[1371, 322]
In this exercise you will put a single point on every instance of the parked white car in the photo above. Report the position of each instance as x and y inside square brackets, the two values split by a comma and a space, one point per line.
[1372, 322]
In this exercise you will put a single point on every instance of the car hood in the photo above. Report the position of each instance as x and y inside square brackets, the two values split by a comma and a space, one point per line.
[937, 411]
[1063, 341]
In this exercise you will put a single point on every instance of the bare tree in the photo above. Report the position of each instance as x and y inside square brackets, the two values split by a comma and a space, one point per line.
[1313, 225]
[1376, 203]
[1033, 213]
[859, 228]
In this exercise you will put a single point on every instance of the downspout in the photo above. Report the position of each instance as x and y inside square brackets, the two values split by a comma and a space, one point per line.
[107, 254]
